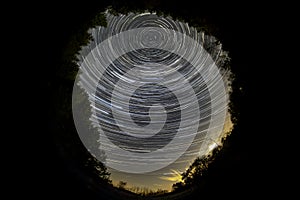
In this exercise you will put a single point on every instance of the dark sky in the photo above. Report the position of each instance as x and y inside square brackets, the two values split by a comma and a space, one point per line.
[244, 29]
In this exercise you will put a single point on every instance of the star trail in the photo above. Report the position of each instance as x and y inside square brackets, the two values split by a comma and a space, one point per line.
[157, 94]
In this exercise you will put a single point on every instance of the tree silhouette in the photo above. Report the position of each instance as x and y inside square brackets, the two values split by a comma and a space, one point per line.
[98, 168]
[196, 174]
[66, 133]
[122, 185]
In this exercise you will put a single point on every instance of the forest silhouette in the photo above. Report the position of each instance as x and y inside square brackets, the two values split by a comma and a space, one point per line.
[204, 177]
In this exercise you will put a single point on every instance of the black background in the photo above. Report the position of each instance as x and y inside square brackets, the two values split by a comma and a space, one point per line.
[246, 31]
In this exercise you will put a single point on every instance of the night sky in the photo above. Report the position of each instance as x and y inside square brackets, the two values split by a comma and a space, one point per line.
[245, 165]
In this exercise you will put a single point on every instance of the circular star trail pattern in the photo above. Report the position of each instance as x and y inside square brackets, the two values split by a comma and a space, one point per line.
[155, 92]
[150, 95]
